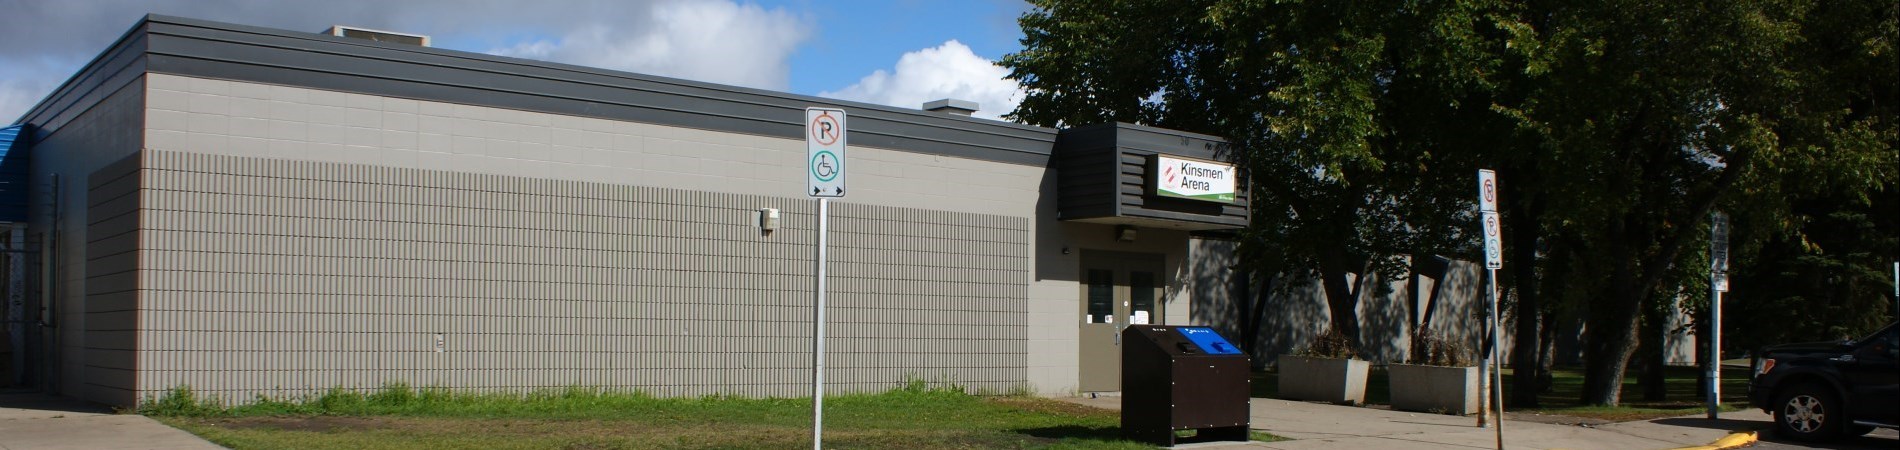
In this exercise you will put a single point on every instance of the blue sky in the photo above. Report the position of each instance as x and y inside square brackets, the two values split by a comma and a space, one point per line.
[899, 53]
[857, 37]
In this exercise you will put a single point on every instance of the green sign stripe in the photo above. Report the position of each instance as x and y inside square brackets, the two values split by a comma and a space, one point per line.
[1222, 197]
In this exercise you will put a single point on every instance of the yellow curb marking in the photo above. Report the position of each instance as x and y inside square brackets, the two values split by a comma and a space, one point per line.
[1733, 440]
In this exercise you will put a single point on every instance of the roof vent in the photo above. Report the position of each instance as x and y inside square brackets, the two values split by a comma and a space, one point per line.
[952, 106]
[378, 35]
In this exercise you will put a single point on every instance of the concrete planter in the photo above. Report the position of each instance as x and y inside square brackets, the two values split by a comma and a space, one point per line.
[1332, 380]
[1438, 389]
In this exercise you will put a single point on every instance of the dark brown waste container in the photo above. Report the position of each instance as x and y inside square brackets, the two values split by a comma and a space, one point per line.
[1182, 378]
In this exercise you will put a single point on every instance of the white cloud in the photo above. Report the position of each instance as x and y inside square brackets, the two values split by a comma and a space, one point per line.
[721, 41]
[950, 70]
[15, 98]
[712, 41]
[22, 85]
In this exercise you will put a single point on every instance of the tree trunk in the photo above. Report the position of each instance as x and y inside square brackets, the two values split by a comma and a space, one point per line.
[1557, 273]
[1244, 300]
[1524, 262]
[1547, 353]
[1254, 303]
[1610, 332]
[1608, 344]
[1654, 353]
[1610, 335]
[1342, 300]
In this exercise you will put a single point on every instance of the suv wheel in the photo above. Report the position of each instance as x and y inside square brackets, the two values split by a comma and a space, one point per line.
[1808, 412]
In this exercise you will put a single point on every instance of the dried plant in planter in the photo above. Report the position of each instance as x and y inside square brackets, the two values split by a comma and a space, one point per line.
[1330, 344]
[1430, 349]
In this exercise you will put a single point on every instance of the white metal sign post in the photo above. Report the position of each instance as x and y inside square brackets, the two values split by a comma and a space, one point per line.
[824, 172]
[1493, 260]
[1718, 283]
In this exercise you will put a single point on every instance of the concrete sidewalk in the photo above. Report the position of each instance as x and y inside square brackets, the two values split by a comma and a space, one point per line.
[1331, 427]
[32, 420]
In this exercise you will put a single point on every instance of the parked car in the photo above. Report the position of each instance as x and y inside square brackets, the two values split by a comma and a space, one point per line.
[1827, 390]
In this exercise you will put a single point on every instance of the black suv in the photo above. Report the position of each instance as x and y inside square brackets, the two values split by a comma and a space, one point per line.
[1825, 390]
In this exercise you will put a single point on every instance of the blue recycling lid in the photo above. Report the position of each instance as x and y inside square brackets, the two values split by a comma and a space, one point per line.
[1209, 341]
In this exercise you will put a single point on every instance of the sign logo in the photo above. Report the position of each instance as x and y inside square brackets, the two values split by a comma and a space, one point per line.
[1488, 212]
[824, 150]
[825, 129]
[1192, 179]
[1487, 190]
[1718, 250]
[1493, 242]
[824, 166]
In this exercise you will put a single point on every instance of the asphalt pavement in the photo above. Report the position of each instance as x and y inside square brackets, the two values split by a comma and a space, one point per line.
[1881, 439]
[1331, 427]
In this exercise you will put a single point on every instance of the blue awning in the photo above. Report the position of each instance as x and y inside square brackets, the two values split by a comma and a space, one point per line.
[15, 178]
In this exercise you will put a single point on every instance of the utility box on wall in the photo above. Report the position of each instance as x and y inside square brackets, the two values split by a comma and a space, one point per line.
[1182, 378]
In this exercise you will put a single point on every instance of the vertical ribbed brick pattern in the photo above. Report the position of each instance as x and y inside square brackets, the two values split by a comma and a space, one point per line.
[281, 277]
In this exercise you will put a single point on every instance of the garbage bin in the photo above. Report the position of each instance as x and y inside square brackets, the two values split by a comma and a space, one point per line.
[1182, 378]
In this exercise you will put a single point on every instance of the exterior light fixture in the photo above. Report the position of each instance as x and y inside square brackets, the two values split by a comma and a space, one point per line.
[768, 219]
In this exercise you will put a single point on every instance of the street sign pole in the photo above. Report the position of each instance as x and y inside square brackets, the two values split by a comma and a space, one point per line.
[824, 171]
[818, 332]
[1491, 381]
[1498, 373]
[1715, 353]
[1718, 283]
[1492, 378]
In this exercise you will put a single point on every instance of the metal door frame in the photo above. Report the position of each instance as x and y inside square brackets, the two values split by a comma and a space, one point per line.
[1098, 363]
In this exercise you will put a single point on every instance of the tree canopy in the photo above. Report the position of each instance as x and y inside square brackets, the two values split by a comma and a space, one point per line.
[1616, 126]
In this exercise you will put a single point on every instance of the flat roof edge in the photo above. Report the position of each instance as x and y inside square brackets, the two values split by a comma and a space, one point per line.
[428, 72]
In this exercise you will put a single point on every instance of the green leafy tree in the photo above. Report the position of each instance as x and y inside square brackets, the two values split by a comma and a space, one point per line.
[1661, 110]
[1300, 89]
[1830, 278]
[1617, 127]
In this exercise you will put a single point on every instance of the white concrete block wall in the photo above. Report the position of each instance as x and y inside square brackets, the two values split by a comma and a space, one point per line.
[216, 117]
[288, 277]
[249, 119]
[207, 116]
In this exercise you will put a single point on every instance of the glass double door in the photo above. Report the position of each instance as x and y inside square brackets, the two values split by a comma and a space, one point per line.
[1118, 290]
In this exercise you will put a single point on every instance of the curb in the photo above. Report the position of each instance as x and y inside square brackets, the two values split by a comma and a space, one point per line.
[1733, 440]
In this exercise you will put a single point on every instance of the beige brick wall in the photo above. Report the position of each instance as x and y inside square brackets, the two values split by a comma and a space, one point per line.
[285, 277]
[249, 119]
[203, 116]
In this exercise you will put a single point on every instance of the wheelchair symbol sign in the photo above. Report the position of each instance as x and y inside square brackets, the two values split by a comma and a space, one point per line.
[824, 166]
[824, 148]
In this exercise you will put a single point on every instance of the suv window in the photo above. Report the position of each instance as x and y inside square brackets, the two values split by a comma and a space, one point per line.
[1884, 345]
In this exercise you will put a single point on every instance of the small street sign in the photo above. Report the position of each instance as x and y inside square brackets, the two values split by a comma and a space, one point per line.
[1718, 250]
[1493, 241]
[824, 149]
[1718, 242]
[1487, 190]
